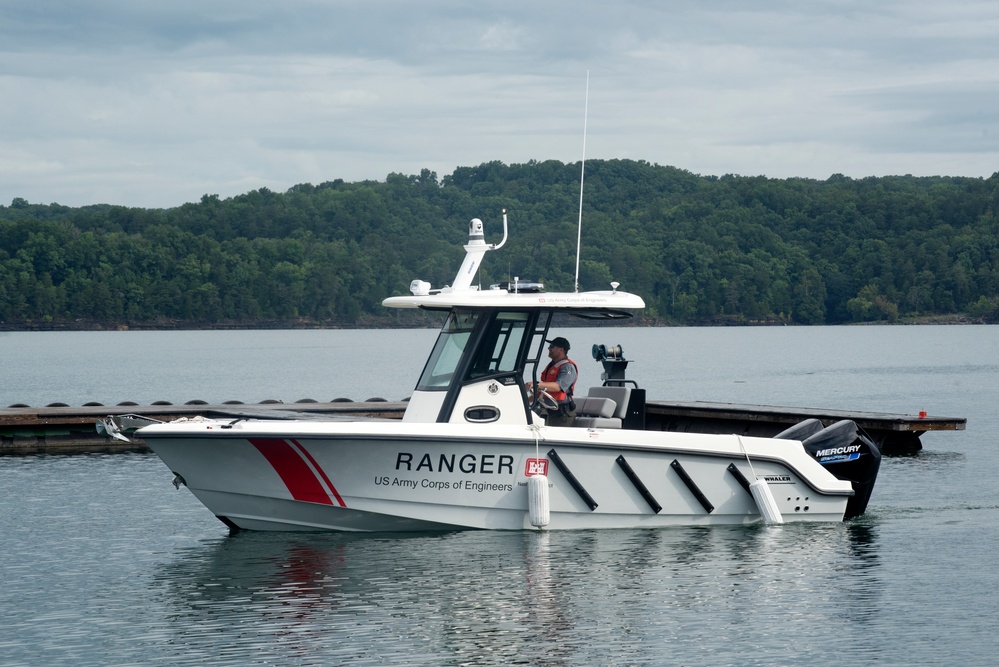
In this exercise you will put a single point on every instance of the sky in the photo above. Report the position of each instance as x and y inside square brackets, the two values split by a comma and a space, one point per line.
[154, 104]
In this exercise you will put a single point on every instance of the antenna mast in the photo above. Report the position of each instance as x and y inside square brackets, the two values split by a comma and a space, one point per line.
[582, 173]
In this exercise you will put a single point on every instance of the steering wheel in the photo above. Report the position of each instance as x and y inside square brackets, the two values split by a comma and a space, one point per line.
[543, 398]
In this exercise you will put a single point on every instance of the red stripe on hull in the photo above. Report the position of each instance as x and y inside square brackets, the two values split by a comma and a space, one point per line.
[322, 472]
[293, 470]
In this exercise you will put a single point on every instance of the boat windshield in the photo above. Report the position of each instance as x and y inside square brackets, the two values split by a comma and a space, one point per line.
[448, 350]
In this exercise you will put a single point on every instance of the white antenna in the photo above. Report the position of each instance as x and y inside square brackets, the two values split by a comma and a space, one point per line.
[582, 173]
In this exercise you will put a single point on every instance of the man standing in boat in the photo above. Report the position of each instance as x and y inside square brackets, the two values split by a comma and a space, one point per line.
[559, 380]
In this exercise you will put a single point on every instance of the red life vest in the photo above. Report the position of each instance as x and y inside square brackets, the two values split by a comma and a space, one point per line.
[550, 374]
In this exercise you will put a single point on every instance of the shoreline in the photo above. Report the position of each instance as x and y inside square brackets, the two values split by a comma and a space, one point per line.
[922, 320]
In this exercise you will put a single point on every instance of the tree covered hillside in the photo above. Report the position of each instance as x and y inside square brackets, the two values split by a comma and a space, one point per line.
[699, 249]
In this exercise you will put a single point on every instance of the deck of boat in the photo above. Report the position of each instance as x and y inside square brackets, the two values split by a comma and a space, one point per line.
[67, 429]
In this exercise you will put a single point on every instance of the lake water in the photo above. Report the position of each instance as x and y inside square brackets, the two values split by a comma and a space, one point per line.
[104, 562]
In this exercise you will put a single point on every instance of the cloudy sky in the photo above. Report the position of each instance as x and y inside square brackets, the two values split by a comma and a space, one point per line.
[156, 103]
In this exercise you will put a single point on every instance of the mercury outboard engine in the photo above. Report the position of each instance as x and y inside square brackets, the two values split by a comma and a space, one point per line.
[843, 452]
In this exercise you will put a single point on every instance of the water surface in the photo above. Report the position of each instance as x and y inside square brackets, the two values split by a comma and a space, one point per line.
[104, 562]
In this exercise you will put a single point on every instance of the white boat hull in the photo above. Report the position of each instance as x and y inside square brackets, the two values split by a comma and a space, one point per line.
[379, 476]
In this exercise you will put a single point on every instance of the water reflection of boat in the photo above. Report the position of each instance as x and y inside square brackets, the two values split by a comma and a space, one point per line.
[563, 597]
[472, 452]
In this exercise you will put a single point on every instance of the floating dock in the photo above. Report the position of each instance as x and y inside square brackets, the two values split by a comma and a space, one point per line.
[60, 429]
[894, 434]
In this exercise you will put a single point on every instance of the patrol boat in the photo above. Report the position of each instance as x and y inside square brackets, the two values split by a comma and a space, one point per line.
[473, 452]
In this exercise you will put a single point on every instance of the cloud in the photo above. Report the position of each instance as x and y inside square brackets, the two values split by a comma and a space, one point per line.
[155, 104]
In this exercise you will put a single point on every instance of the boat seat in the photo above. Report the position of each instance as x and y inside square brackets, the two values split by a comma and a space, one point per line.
[596, 412]
[619, 396]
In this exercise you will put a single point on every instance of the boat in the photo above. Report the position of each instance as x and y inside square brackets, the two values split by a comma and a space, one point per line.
[473, 451]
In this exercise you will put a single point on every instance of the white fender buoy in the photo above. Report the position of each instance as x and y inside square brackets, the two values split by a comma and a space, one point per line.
[537, 500]
[765, 502]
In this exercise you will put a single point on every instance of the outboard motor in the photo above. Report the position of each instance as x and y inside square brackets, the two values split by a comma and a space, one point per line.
[847, 455]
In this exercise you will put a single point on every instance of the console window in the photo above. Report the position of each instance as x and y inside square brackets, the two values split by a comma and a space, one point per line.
[501, 346]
